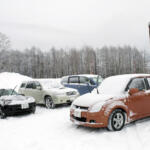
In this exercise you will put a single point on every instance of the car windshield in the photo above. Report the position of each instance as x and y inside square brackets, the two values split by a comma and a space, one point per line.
[51, 84]
[4, 92]
[95, 80]
[113, 85]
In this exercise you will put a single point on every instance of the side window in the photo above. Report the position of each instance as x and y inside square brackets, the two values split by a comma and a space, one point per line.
[34, 85]
[84, 80]
[148, 80]
[137, 83]
[74, 80]
[1, 92]
[64, 80]
[29, 85]
[23, 85]
[37, 85]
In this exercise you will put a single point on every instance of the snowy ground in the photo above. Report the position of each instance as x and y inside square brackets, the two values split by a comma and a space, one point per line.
[52, 130]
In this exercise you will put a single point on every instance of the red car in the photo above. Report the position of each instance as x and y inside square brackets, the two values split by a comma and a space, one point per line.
[119, 100]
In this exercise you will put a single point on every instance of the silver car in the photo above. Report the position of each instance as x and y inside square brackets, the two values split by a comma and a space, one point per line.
[48, 91]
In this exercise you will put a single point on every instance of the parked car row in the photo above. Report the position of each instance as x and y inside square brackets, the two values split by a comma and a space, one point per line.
[112, 103]
[49, 92]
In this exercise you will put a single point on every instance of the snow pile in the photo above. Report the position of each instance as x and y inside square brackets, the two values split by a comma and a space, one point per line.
[10, 80]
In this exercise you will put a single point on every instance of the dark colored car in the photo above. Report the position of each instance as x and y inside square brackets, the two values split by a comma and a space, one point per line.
[12, 103]
[83, 83]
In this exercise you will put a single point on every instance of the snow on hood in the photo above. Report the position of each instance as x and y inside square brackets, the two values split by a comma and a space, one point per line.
[17, 99]
[90, 99]
[61, 90]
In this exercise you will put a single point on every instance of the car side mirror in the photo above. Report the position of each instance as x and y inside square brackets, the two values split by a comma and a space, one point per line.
[132, 91]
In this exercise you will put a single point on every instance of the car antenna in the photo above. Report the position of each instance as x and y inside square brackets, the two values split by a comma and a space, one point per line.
[13, 90]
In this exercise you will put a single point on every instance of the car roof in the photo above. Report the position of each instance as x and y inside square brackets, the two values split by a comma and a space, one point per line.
[130, 76]
[84, 75]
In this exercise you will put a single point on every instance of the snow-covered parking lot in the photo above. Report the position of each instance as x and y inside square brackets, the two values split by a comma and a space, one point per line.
[52, 129]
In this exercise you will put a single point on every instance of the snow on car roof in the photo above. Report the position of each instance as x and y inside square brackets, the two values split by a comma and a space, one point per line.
[117, 84]
[86, 75]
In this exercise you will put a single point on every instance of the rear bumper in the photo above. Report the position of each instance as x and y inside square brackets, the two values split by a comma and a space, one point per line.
[93, 120]
[16, 109]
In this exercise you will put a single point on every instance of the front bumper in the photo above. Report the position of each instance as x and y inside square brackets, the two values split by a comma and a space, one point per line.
[88, 119]
[64, 99]
[17, 109]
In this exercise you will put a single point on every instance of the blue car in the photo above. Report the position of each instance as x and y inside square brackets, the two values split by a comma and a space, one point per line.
[83, 83]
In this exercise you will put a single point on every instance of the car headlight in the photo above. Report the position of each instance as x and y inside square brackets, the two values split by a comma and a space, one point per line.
[7, 102]
[30, 98]
[60, 94]
[71, 93]
[96, 107]
[72, 106]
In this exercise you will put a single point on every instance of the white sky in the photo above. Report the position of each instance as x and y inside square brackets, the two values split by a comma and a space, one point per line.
[75, 23]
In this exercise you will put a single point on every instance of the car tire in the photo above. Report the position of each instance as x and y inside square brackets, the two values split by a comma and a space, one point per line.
[2, 113]
[33, 110]
[116, 120]
[49, 102]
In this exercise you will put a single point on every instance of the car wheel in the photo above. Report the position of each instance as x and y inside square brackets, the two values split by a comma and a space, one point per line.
[49, 103]
[33, 110]
[116, 120]
[2, 113]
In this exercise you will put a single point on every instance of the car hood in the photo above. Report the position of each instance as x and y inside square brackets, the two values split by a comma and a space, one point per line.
[90, 99]
[61, 90]
[18, 99]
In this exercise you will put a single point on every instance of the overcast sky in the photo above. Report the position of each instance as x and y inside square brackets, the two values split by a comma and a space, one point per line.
[75, 23]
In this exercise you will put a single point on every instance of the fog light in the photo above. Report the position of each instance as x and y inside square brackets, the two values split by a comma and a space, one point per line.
[92, 121]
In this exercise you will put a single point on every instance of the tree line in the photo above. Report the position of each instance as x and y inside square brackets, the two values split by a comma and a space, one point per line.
[55, 63]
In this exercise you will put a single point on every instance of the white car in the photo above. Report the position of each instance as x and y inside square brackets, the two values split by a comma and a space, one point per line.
[49, 92]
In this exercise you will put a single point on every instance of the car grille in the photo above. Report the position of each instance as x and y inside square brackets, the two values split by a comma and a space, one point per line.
[80, 119]
[81, 107]
[71, 93]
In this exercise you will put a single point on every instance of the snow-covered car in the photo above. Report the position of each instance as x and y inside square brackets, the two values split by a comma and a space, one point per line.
[12, 103]
[120, 99]
[49, 92]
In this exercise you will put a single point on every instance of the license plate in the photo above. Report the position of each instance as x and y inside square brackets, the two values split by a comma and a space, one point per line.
[77, 113]
[25, 106]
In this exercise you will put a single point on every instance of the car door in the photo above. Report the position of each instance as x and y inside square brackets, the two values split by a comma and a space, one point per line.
[37, 92]
[84, 85]
[28, 89]
[137, 101]
[147, 105]
[73, 82]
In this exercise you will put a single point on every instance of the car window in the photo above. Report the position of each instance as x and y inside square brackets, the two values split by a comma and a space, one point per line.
[137, 83]
[84, 80]
[148, 79]
[1, 92]
[64, 80]
[29, 85]
[74, 80]
[37, 85]
[34, 85]
[23, 85]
